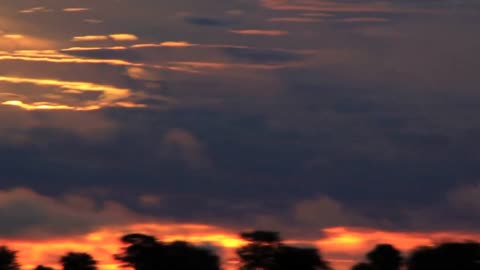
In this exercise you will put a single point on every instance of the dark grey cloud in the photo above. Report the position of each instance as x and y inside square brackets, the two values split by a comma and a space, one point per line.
[365, 124]
[208, 21]
[32, 215]
[265, 55]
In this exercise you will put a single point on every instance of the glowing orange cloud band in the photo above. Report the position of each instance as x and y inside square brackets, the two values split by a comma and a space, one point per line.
[351, 243]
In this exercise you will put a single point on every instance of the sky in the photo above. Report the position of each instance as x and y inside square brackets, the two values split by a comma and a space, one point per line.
[340, 123]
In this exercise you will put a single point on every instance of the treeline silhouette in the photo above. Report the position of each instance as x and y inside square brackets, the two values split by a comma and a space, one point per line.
[264, 250]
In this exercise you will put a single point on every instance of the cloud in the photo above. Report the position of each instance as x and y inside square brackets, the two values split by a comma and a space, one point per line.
[259, 32]
[90, 38]
[466, 198]
[28, 214]
[365, 20]
[145, 74]
[35, 10]
[380, 103]
[324, 212]
[294, 19]
[207, 21]
[13, 36]
[76, 9]
[339, 6]
[265, 56]
[19, 126]
[111, 95]
[93, 21]
[182, 145]
[123, 37]
[19, 41]
[148, 200]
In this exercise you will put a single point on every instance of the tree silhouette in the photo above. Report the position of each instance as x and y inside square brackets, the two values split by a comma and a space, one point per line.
[265, 251]
[42, 267]
[144, 252]
[288, 258]
[8, 259]
[362, 266]
[78, 261]
[385, 257]
[423, 258]
[458, 256]
[260, 251]
[184, 256]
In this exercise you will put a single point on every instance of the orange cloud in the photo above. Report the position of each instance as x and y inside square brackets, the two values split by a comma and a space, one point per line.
[16, 41]
[174, 44]
[260, 32]
[35, 10]
[56, 57]
[115, 37]
[93, 21]
[353, 243]
[111, 95]
[103, 243]
[75, 9]
[90, 38]
[123, 37]
[13, 36]
[48, 106]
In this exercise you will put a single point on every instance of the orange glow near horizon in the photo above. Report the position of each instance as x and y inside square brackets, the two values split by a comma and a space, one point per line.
[351, 243]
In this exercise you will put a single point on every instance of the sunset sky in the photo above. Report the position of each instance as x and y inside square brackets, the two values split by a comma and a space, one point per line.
[340, 123]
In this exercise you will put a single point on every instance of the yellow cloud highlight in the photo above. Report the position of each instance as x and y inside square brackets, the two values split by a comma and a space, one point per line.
[114, 37]
[111, 96]
[111, 93]
[174, 44]
[64, 58]
[48, 106]
[123, 37]
[13, 36]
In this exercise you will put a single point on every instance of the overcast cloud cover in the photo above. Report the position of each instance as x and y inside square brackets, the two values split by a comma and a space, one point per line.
[285, 114]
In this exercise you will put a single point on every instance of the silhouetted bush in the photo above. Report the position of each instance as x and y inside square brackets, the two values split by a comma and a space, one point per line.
[42, 267]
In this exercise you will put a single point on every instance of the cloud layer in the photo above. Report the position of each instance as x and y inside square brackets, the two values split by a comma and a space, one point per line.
[239, 113]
